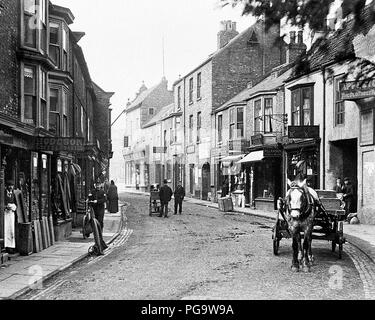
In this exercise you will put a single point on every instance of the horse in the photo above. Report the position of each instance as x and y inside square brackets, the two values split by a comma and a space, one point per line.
[301, 202]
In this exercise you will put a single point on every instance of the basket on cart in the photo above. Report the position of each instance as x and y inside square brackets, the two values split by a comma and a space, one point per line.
[328, 224]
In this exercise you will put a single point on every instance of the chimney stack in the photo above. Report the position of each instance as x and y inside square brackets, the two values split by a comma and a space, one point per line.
[300, 37]
[292, 37]
[227, 33]
[295, 49]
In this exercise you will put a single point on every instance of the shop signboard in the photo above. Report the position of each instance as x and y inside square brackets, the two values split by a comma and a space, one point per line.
[219, 151]
[6, 138]
[160, 150]
[60, 144]
[303, 132]
[272, 153]
[353, 90]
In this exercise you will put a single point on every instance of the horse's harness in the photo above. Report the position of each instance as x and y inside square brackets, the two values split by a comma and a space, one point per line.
[307, 201]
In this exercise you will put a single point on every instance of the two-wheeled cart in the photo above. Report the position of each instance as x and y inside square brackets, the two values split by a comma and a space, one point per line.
[328, 223]
[155, 204]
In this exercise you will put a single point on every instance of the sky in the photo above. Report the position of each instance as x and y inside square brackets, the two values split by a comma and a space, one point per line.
[123, 42]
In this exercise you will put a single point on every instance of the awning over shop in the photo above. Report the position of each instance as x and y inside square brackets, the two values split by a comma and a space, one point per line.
[228, 161]
[253, 157]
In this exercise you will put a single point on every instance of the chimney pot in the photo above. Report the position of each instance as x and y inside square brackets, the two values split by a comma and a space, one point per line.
[292, 37]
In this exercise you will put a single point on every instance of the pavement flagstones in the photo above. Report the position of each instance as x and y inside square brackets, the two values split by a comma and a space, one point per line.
[22, 274]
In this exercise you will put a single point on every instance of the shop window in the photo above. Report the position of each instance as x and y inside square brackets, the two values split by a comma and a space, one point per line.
[44, 186]
[30, 94]
[339, 105]
[302, 106]
[258, 116]
[220, 128]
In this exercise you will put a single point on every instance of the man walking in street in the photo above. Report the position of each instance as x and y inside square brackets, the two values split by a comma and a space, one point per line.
[165, 195]
[179, 195]
[98, 199]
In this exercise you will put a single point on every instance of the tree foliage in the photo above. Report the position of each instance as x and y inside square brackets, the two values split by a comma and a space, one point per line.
[312, 14]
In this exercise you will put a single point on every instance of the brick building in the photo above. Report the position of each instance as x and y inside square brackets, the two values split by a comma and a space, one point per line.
[48, 145]
[138, 142]
[240, 59]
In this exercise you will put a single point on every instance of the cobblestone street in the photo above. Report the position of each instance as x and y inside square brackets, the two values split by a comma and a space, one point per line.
[204, 254]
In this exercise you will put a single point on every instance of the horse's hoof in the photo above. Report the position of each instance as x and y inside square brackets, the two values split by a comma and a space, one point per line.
[306, 269]
[295, 269]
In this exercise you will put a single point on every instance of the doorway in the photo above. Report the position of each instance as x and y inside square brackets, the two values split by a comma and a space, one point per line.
[206, 181]
[344, 163]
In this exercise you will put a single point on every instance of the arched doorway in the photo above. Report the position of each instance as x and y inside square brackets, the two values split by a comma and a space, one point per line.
[206, 181]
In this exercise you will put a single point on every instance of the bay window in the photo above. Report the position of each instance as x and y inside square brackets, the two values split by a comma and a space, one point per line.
[236, 123]
[54, 44]
[302, 106]
[54, 113]
[35, 24]
[43, 100]
[268, 113]
[220, 128]
[258, 116]
[30, 94]
[64, 114]
[65, 49]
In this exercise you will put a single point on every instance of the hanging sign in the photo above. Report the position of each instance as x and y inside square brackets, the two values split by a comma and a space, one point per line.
[60, 144]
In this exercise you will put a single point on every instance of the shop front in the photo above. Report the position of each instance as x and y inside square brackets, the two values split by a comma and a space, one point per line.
[263, 177]
[303, 160]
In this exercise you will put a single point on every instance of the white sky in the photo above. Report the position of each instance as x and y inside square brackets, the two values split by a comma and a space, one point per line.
[123, 42]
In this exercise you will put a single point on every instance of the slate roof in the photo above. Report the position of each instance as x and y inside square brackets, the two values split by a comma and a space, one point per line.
[163, 113]
[141, 97]
[338, 47]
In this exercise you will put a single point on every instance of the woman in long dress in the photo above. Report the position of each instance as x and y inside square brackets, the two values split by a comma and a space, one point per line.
[10, 218]
[113, 198]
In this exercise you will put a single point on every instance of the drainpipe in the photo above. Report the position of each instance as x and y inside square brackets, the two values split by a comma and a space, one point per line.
[324, 126]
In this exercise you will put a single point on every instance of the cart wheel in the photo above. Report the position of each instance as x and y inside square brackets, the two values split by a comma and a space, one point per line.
[334, 246]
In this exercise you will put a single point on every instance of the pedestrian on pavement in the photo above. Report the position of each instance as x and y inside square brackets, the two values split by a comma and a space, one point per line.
[225, 189]
[179, 195]
[106, 189]
[348, 196]
[10, 218]
[112, 198]
[165, 195]
[98, 199]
